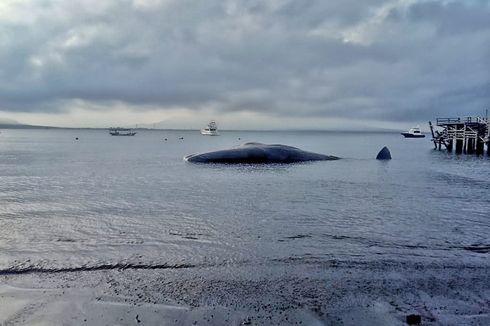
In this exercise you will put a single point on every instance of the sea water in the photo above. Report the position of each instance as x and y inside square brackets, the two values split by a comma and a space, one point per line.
[102, 200]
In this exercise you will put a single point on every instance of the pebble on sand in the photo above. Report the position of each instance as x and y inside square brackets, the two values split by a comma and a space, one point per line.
[414, 319]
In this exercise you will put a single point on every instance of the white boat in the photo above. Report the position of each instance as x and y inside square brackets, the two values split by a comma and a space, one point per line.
[413, 133]
[211, 129]
[118, 131]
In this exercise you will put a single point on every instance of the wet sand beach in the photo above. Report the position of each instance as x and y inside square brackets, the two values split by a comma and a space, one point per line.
[303, 291]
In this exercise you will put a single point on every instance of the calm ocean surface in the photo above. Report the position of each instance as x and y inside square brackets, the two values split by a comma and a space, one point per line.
[110, 200]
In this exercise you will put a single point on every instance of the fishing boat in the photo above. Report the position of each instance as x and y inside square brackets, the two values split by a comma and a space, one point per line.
[413, 133]
[210, 130]
[118, 131]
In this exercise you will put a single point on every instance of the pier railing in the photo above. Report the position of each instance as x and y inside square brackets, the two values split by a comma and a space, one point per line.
[447, 120]
[443, 121]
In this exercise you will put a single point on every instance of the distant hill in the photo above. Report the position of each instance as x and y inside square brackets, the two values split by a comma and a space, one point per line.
[12, 124]
[21, 126]
[5, 121]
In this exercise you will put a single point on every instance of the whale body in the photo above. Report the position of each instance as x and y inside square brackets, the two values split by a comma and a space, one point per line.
[259, 153]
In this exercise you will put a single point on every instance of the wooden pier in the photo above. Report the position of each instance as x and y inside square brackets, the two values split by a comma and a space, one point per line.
[466, 135]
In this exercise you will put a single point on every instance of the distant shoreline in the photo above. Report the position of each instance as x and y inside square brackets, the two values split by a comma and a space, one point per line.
[223, 130]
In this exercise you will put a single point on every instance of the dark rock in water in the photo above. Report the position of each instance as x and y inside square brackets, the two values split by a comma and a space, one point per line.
[259, 153]
[384, 154]
[414, 319]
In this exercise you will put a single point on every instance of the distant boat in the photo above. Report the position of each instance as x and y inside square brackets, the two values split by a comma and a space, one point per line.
[211, 129]
[413, 133]
[121, 132]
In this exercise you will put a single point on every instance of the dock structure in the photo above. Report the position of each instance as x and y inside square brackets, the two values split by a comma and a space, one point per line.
[466, 135]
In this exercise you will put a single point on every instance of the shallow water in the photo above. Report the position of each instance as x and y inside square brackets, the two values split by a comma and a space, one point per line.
[105, 200]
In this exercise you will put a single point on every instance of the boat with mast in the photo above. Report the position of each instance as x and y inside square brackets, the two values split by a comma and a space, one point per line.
[211, 129]
[118, 131]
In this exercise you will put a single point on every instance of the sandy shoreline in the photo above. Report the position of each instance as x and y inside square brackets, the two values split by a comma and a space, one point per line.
[299, 292]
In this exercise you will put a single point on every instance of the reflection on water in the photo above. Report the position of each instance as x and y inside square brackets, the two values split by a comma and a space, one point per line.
[104, 200]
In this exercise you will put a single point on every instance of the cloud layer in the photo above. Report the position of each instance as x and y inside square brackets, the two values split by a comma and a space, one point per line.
[404, 60]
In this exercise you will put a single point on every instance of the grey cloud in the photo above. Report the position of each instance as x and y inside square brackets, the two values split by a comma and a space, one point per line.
[290, 58]
[453, 17]
[313, 13]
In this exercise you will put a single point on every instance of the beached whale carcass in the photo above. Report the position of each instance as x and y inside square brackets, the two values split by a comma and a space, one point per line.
[259, 153]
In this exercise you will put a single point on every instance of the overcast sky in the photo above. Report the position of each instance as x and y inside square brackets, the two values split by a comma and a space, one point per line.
[248, 64]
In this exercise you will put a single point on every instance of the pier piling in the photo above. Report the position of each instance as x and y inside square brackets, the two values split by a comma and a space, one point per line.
[480, 146]
[449, 146]
[459, 146]
[470, 148]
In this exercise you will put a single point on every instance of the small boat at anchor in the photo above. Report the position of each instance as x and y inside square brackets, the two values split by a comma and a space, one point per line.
[211, 129]
[413, 133]
[118, 131]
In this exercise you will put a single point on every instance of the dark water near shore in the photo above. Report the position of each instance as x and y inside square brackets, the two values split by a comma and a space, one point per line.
[106, 200]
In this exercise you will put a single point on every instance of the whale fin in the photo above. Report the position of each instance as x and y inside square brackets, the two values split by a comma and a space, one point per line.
[384, 154]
